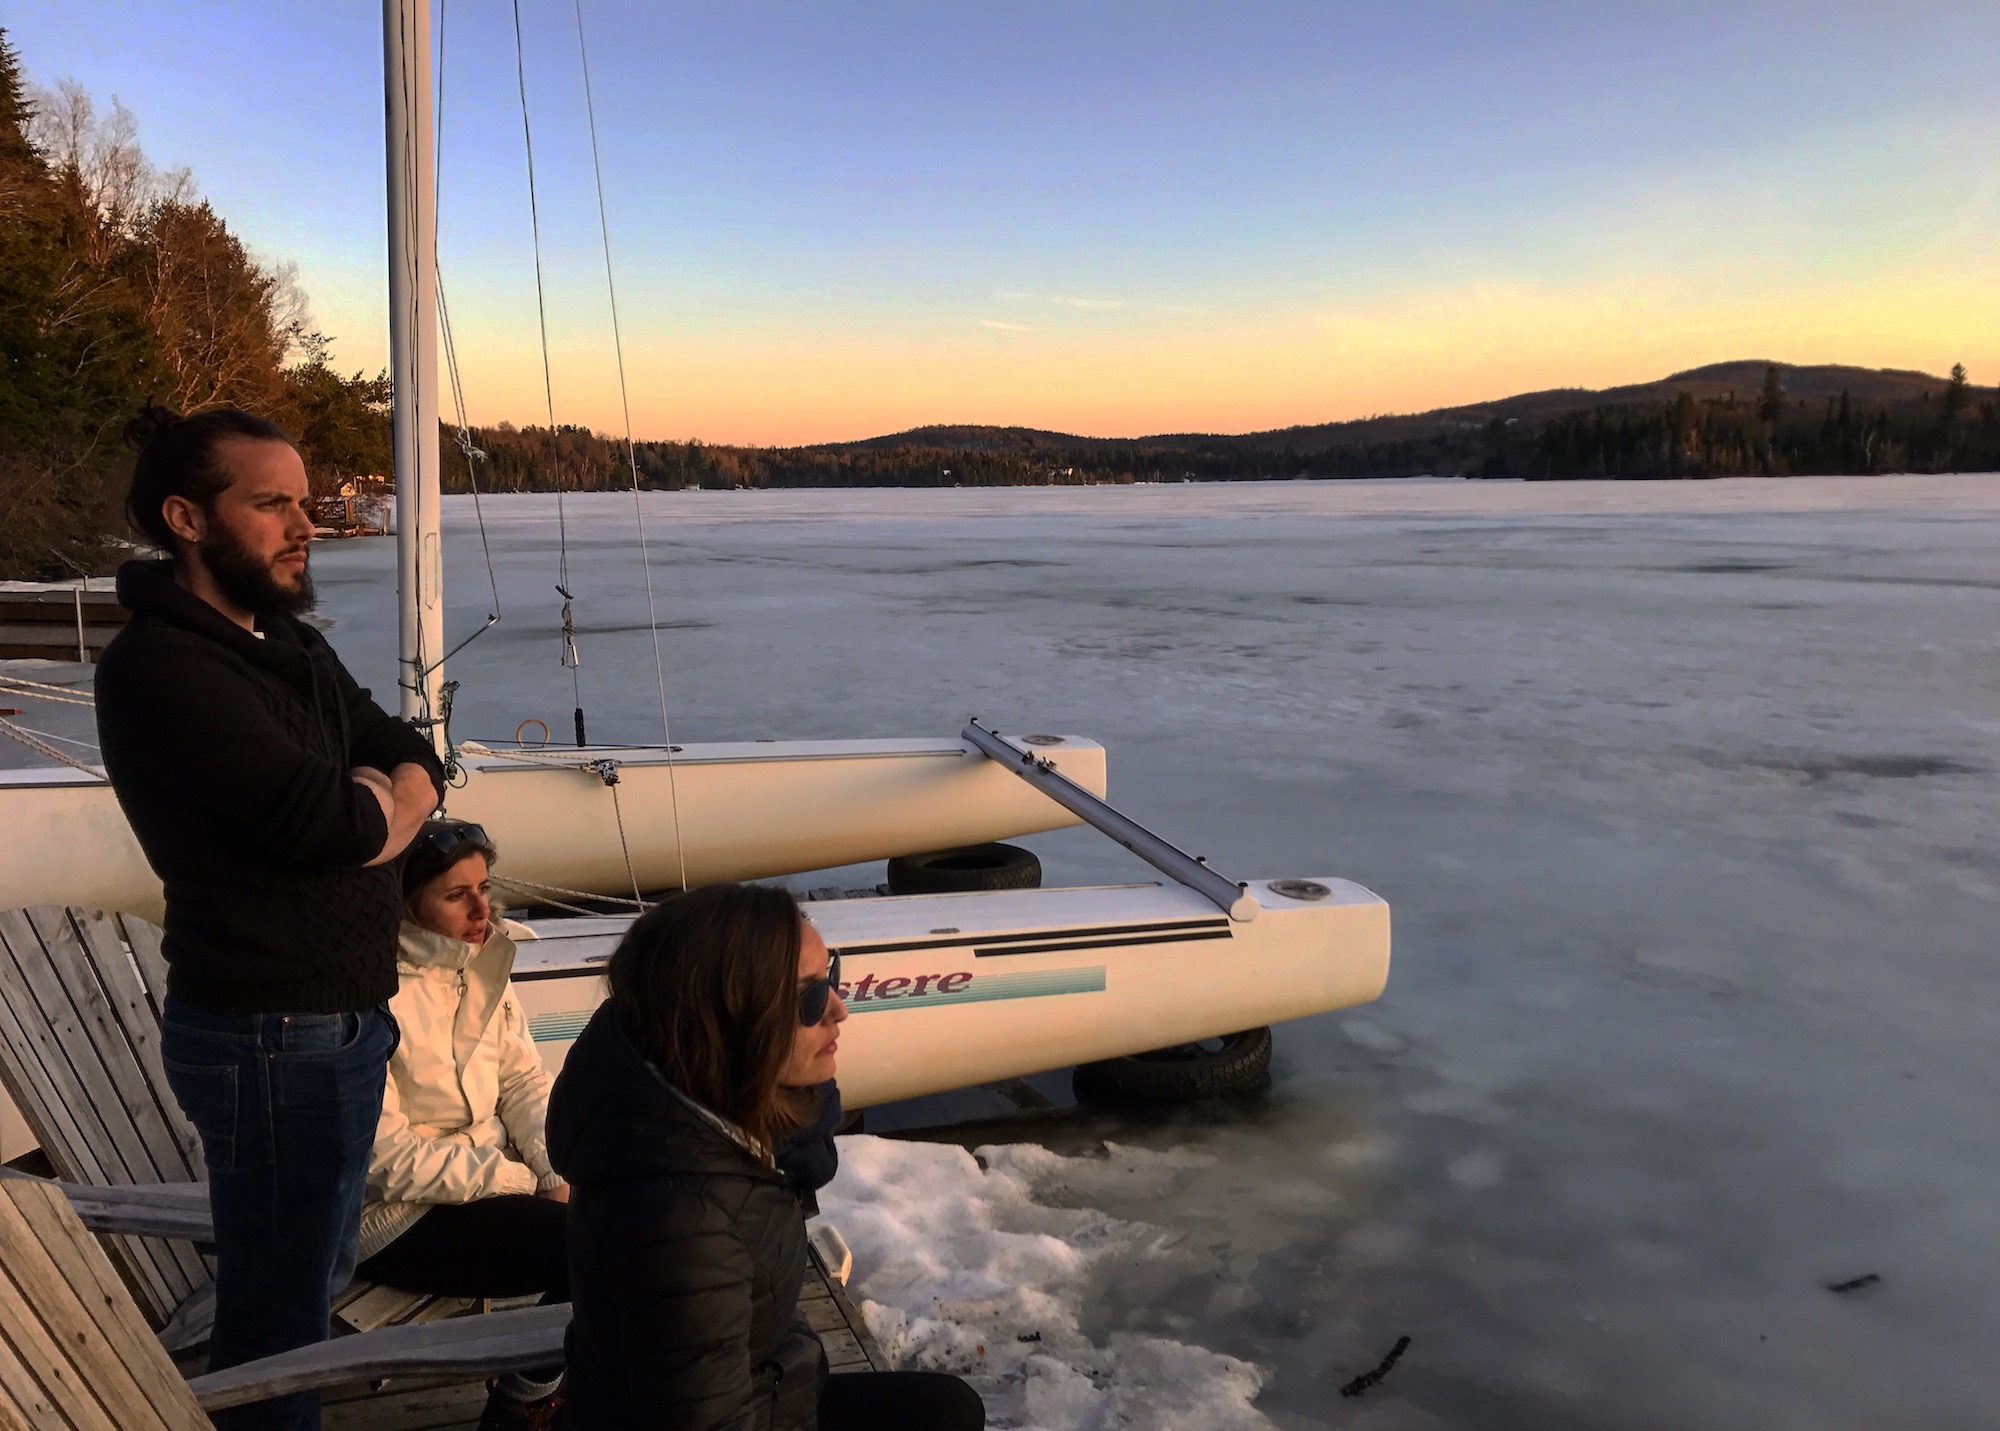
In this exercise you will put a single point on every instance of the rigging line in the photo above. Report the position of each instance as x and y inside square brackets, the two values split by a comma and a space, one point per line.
[42, 747]
[618, 811]
[471, 453]
[64, 739]
[631, 452]
[36, 691]
[473, 456]
[548, 381]
[534, 886]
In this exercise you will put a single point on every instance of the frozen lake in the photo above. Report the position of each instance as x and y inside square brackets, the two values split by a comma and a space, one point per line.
[1684, 796]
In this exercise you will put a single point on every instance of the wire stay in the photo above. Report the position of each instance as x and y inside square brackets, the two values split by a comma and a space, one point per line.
[571, 658]
[631, 450]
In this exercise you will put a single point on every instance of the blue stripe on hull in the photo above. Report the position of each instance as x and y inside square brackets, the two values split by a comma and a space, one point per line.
[984, 988]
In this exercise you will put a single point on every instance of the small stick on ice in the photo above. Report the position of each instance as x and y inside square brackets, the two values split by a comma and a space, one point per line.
[1367, 1379]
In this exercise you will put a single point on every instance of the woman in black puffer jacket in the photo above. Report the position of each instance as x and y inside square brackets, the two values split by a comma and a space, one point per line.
[687, 1243]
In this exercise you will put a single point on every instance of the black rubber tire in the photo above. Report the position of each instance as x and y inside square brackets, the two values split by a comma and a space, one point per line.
[968, 870]
[1191, 1071]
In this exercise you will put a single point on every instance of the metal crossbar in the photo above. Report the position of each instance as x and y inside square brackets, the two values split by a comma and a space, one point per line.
[1230, 896]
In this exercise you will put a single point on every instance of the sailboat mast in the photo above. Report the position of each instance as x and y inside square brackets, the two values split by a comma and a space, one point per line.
[413, 345]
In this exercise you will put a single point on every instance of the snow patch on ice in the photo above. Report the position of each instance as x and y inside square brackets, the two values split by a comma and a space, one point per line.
[1372, 1036]
[964, 1263]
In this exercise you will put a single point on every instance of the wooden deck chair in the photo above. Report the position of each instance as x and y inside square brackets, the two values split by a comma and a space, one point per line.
[75, 1354]
[81, 994]
[80, 999]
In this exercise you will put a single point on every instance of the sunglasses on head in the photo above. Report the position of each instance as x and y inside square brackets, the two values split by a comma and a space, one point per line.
[814, 997]
[448, 840]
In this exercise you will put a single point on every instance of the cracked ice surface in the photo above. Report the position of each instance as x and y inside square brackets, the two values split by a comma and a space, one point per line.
[1684, 797]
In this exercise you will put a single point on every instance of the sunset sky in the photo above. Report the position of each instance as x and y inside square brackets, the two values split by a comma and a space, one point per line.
[832, 221]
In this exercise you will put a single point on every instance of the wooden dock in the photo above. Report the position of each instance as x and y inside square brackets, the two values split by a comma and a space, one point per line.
[59, 623]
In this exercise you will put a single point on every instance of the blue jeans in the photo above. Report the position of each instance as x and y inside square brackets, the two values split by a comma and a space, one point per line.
[286, 1106]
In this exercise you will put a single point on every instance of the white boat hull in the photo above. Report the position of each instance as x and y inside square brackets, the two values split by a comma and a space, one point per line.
[949, 991]
[745, 811]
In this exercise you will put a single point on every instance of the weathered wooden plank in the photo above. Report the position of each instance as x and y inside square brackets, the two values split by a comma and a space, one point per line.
[168, 1210]
[443, 1309]
[85, 956]
[62, 1119]
[118, 1317]
[822, 1314]
[501, 1341]
[167, 1130]
[24, 1405]
[362, 1391]
[74, 960]
[378, 1305]
[98, 606]
[168, 1135]
[69, 1286]
[95, 1288]
[21, 1075]
[431, 1408]
[47, 1360]
[147, 953]
[857, 1326]
[191, 1322]
[49, 1214]
[31, 1058]
[76, 1073]
[843, 1348]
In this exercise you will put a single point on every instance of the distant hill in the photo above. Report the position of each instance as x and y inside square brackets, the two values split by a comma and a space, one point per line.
[1718, 421]
[1740, 381]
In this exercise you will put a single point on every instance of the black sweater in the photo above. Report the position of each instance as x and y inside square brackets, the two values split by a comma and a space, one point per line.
[685, 1258]
[230, 754]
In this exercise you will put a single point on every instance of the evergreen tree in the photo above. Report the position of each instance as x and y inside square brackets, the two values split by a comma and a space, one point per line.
[74, 350]
[1771, 401]
[1957, 393]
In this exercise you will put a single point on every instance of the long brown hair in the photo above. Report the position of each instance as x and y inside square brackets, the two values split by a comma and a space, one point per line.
[706, 985]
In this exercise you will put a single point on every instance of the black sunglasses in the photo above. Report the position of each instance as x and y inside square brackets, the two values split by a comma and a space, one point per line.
[447, 840]
[814, 997]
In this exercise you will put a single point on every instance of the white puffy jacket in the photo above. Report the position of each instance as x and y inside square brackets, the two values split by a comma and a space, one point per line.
[467, 1094]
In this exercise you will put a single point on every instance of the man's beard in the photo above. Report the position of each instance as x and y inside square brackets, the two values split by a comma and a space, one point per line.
[249, 583]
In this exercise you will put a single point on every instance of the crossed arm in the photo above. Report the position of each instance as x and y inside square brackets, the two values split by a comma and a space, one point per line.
[407, 796]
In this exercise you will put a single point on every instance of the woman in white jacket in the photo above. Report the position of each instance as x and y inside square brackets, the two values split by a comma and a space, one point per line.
[461, 1199]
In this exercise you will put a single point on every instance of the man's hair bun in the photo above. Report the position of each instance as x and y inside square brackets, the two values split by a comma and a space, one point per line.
[148, 423]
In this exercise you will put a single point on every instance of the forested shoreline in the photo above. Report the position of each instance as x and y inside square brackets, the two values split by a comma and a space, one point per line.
[1769, 432]
[119, 284]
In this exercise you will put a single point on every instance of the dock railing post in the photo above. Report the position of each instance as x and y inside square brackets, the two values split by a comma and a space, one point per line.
[1233, 898]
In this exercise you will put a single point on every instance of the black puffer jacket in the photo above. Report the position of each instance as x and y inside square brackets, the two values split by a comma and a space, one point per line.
[685, 1256]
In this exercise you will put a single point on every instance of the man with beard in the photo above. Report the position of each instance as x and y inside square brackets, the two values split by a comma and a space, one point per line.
[274, 799]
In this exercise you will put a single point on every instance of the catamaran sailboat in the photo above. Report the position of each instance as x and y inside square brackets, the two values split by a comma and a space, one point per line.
[948, 990]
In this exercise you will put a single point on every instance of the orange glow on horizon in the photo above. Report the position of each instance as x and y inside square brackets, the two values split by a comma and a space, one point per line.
[1434, 350]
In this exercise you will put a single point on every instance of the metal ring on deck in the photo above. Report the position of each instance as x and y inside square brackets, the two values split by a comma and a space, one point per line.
[531, 720]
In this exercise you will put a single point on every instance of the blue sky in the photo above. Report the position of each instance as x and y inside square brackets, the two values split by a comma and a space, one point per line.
[837, 220]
